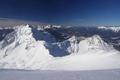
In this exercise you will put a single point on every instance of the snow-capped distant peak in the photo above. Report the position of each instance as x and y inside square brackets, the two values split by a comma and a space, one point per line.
[48, 27]
[113, 28]
[80, 46]
[95, 42]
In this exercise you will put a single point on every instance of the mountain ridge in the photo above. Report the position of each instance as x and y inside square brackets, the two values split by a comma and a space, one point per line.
[32, 48]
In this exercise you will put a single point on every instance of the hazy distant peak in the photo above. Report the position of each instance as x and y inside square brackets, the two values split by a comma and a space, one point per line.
[113, 28]
[6, 22]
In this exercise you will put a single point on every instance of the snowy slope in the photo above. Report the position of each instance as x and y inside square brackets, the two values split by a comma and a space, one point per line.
[96, 61]
[89, 54]
[20, 50]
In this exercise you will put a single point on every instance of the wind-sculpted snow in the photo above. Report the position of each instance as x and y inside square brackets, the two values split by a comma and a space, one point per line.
[20, 50]
[30, 48]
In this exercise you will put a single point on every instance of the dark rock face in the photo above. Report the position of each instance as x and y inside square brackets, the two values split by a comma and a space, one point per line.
[4, 32]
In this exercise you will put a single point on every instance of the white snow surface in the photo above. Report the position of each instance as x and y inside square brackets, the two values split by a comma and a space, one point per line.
[19, 50]
[60, 75]
[113, 28]
[24, 51]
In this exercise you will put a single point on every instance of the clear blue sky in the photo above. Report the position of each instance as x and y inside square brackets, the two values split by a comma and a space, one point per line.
[66, 12]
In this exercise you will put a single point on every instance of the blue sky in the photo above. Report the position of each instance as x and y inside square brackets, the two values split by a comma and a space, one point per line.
[66, 12]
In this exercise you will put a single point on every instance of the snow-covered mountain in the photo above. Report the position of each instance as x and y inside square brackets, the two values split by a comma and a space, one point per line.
[113, 28]
[20, 50]
[84, 45]
[57, 48]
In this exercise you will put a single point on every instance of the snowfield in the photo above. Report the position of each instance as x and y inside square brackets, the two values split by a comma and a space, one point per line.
[60, 75]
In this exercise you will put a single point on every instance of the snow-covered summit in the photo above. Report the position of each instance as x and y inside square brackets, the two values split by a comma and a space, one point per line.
[95, 42]
[113, 28]
[48, 27]
[21, 34]
[24, 34]
[84, 45]
[20, 50]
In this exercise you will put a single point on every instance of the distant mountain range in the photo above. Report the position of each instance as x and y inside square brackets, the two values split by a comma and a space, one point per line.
[6, 22]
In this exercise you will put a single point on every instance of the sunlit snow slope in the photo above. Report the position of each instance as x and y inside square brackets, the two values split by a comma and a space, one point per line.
[88, 54]
[21, 49]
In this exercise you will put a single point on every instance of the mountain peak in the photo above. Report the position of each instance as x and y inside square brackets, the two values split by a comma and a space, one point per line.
[113, 28]
[23, 33]
[80, 46]
[95, 42]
